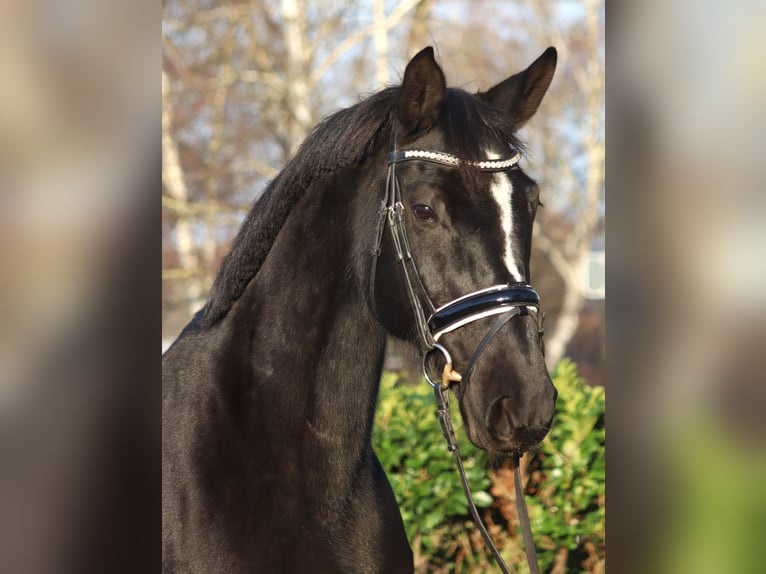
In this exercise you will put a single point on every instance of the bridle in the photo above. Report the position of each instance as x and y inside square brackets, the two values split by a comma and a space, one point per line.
[502, 301]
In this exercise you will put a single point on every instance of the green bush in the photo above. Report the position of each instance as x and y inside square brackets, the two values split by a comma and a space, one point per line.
[408, 441]
[568, 474]
[566, 481]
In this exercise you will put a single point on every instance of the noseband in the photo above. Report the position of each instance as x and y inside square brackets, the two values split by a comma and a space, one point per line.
[504, 301]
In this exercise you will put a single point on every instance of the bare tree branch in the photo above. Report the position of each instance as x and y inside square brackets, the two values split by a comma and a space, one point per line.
[297, 86]
[201, 208]
[173, 179]
[341, 49]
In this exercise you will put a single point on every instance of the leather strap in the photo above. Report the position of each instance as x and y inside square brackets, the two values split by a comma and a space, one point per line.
[496, 326]
[442, 408]
[526, 528]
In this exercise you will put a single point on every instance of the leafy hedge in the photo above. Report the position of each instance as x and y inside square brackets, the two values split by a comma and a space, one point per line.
[565, 487]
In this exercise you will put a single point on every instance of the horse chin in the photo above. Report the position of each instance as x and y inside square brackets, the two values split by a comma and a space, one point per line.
[516, 441]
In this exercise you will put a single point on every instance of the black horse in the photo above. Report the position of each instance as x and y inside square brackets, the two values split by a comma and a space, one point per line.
[270, 391]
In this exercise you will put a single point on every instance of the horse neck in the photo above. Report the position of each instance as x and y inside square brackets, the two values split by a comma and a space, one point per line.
[315, 351]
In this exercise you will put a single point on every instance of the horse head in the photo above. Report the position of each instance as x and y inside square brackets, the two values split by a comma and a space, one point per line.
[461, 211]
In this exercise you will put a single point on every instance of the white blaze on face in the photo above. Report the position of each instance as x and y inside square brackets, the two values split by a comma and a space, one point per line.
[502, 191]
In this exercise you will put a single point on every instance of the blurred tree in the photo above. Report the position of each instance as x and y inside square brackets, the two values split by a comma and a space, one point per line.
[574, 155]
[174, 185]
[243, 82]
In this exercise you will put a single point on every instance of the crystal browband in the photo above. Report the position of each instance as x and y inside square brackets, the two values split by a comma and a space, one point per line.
[452, 160]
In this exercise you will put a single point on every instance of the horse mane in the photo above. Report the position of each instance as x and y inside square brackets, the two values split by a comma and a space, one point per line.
[341, 140]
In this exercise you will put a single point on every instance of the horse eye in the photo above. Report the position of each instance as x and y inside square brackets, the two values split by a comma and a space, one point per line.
[424, 212]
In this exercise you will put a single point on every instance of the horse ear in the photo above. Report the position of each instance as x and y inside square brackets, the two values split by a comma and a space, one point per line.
[422, 93]
[519, 96]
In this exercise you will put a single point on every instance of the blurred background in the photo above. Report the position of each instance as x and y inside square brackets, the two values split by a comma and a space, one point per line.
[79, 108]
[243, 83]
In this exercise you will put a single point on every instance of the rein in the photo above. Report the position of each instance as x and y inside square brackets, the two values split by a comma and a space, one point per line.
[505, 301]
